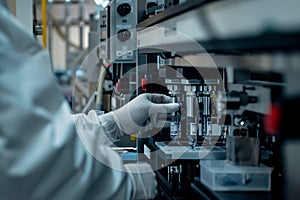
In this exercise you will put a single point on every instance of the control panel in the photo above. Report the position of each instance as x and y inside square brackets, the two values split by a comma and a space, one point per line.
[122, 38]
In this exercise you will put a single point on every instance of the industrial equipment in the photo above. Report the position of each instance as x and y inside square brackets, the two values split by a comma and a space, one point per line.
[233, 66]
[227, 68]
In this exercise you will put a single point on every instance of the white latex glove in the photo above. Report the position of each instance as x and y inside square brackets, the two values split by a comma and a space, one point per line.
[140, 114]
[143, 179]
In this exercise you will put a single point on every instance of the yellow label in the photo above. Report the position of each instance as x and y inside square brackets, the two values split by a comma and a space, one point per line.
[132, 137]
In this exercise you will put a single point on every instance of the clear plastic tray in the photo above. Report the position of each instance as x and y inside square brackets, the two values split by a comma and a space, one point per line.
[218, 175]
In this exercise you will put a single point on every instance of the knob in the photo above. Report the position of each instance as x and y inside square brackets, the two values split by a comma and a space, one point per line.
[123, 35]
[124, 9]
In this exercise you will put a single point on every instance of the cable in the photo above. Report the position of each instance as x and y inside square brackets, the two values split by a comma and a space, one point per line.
[102, 74]
[44, 23]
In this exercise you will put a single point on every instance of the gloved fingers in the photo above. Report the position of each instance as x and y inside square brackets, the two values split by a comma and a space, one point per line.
[158, 123]
[159, 98]
[162, 116]
[158, 117]
[152, 126]
[163, 108]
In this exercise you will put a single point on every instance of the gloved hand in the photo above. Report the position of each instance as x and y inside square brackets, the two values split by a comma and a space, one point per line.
[140, 114]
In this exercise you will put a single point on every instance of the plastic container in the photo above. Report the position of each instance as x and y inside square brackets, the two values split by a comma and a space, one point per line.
[218, 175]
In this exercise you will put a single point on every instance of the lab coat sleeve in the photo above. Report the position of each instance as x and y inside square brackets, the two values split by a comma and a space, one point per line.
[94, 123]
[42, 155]
[94, 132]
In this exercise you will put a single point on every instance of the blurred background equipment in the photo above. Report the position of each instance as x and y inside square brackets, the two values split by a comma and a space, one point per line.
[232, 65]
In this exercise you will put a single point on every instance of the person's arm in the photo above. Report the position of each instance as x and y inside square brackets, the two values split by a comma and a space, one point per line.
[41, 155]
[137, 116]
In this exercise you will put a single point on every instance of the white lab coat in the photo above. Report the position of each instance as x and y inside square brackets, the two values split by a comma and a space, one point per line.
[41, 155]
